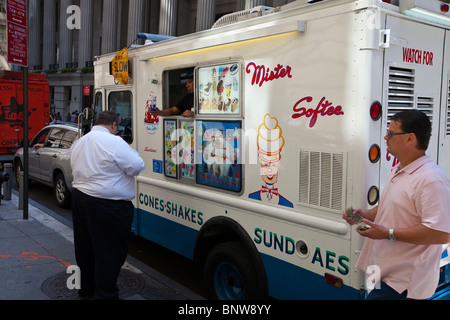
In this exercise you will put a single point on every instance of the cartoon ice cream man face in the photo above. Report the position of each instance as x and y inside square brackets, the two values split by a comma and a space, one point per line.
[270, 142]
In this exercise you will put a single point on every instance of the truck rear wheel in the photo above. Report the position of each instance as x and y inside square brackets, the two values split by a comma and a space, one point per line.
[230, 273]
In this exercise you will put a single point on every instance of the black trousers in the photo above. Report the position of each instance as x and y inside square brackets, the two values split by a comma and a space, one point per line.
[102, 231]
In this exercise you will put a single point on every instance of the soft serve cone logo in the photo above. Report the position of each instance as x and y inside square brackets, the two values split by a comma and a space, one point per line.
[270, 143]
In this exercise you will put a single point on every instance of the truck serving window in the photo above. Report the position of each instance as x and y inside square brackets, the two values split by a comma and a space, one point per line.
[121, 102]
[175, 91]
[205, 150]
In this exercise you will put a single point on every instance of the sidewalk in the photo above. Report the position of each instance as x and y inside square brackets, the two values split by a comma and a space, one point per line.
[35, 255]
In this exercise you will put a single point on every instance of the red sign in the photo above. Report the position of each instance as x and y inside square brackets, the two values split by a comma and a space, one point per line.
[86, 90]
[17, 32]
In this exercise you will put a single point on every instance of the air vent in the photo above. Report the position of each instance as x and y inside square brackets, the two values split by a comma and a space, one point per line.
[401, 95]
[401, 90]
[321, 179]
[425, 104]
[246, 14]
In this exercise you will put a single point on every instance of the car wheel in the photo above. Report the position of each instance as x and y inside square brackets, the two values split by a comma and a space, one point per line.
[17, 168]
[62, 193]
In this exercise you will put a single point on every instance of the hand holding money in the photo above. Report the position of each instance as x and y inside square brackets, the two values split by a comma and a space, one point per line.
[353, 216]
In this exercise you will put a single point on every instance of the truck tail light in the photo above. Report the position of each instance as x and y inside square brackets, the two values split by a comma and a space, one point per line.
[375, 111]
[374, 153]
[373, 195]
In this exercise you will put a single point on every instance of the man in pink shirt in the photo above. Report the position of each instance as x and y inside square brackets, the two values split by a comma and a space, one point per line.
[412, 221]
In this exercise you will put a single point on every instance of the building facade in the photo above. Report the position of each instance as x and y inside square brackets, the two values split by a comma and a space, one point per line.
[64, 36]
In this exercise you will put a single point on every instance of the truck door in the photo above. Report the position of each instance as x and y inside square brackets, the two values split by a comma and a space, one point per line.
[412, 79]
[444, 132]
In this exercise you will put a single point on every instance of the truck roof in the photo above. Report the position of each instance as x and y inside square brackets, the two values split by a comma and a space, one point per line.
[17, 75]
[263, 20]
[429, 10]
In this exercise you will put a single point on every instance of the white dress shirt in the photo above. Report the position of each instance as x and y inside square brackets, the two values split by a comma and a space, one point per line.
[104, 165]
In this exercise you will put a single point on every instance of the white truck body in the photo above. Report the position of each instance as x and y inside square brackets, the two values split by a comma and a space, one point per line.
[301, 80]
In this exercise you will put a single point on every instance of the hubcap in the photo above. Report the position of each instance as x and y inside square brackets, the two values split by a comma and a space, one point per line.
[228, 282]
[60, 191]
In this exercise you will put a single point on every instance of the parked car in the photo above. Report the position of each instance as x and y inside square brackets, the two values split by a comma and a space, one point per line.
[49, 160]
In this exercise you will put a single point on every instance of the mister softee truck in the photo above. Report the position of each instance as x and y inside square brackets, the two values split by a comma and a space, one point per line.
[291, 107]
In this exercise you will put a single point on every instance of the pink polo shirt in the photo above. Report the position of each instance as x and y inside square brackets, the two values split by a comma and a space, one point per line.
[419, 193]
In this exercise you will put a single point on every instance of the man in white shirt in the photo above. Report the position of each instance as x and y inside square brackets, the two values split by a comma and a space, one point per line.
[104, 167]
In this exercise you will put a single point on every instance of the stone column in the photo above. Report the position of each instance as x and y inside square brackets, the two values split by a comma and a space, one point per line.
[34, 35]
[49, 40]
[168, 17]
[65, 36]
[206, 14]
[240, 5]
[136, 19]
[109, 27]
[249, 4]
[85, 35]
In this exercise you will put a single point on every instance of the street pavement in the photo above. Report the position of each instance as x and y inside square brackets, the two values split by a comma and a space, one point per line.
[36, 253]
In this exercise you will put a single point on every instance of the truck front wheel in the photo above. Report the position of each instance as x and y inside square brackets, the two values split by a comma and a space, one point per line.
[230, 273]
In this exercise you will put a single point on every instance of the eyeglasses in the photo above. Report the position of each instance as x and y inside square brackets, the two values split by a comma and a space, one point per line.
[391, 134]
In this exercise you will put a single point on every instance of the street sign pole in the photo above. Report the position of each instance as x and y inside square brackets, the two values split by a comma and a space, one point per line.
[16, 20]
[25, 143]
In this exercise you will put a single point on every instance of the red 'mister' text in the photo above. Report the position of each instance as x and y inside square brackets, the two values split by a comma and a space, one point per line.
[262, 74]
[324, 108]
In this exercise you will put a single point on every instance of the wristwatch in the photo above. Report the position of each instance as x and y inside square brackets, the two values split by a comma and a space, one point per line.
[391, 234]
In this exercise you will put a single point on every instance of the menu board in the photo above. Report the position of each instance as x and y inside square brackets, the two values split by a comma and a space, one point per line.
[186, 152]
[179, 149]
[218, 160]
[170, 148]
[219, 89]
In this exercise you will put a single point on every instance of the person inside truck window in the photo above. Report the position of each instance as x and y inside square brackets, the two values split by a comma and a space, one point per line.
[184, 107]
[408, 228]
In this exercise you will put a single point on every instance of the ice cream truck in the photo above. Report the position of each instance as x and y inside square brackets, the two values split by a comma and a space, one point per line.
[291, 108]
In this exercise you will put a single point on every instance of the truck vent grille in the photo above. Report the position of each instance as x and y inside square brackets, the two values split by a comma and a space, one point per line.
[401, 90]
[425, 104]
[246, 14]
[321, 179]
[401, 95]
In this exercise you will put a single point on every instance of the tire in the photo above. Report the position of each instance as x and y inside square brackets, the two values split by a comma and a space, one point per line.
[230, 273]
[19, 167]
[62, 193]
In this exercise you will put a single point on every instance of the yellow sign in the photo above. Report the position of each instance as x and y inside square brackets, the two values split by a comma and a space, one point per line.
[120, 66]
